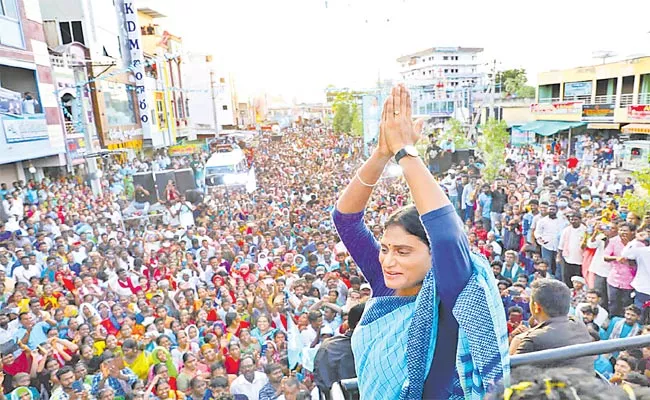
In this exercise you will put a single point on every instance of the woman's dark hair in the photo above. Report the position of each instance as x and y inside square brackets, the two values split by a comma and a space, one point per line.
[159, 339]
[157, 367]
[130, 344]
[230, 318]
[187, 356]
[408, 218]
[565, 383]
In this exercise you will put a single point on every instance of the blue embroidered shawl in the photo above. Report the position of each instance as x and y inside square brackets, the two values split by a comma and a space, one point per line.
[395, 340]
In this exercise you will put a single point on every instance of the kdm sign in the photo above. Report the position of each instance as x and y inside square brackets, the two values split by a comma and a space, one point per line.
[128, 11]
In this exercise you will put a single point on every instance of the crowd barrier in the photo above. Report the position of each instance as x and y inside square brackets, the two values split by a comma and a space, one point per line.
[348, 389]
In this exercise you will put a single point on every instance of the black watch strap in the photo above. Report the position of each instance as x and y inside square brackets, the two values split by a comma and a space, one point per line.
[399, 155]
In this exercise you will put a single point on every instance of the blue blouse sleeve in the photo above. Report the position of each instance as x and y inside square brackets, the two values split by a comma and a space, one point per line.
[363, 247]
[450, 254]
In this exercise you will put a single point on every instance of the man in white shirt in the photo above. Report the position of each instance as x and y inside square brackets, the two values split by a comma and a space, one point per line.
[641, 281]
[24, 272]
[310, 335]
[593, 300]
[547, 233]
[570, 248]
[250, 382]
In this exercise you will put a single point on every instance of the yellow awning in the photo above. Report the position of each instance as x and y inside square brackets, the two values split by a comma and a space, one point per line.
[596, 125]
[636, 128]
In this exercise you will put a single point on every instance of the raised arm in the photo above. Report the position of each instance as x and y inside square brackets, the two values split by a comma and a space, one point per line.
[348, 217]
[450, 254]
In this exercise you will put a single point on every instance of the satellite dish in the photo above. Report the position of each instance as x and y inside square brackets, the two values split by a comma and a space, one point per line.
[603, 55]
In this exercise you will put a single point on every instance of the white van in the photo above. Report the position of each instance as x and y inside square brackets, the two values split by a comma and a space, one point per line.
[227, 166]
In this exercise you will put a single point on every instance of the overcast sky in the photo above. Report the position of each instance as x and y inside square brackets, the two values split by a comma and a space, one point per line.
[297, 47]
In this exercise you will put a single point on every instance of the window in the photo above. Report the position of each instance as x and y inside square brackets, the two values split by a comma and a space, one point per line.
[120, 107]
[72, 31]
[12, 34]
[446, 71]
[225, 107]
[161, 113]
[445, 58]
[222, 80]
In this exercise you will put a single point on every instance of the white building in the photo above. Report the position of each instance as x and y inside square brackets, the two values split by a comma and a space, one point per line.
[202, 78]
[92, 23]
[449, 65]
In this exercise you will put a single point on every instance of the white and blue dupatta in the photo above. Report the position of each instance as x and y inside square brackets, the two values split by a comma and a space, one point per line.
[395, 340]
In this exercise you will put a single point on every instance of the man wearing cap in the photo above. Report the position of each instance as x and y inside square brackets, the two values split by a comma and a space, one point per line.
[366, 291]
[579, 293]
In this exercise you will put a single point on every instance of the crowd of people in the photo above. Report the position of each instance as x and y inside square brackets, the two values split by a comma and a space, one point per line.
[251, 295]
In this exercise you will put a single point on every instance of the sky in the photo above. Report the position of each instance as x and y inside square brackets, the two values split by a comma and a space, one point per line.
[295, 48]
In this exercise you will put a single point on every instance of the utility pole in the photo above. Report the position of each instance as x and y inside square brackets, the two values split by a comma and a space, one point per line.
[81, 73]
[214, 102]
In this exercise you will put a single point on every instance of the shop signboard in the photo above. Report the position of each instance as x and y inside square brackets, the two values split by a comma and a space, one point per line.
[558, 108]
[27, 128]
[184, 149]
[521, 138]
[598, 112]
[572, 89]
[639, 112]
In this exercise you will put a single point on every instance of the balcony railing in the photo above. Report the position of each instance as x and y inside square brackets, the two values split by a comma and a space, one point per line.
[584, 99]
[644, 98]
[626, 99]
[549, 100]
[606, 99]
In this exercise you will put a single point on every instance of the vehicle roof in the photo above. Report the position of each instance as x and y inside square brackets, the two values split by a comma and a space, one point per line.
[230, 158]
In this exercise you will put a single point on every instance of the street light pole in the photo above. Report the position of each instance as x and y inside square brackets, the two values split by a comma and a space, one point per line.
[214, 102]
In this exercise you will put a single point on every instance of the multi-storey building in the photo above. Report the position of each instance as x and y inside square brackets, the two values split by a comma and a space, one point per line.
[31, 133]
[443, 80]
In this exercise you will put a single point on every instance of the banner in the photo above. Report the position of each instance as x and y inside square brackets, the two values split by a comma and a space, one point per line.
[572, 89]
[184, 149]
[25, 129]
[598, 112]
[371, 116]
[639, 112]
[558, 108]
[521, 138]
[10, 102]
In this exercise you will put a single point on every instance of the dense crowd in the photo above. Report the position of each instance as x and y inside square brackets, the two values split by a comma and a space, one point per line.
[240, 295]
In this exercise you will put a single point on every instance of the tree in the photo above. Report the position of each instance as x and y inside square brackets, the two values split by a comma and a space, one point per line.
[513, 82]
[347, 116]
[639, 202]
[492, 145]
[457, 133]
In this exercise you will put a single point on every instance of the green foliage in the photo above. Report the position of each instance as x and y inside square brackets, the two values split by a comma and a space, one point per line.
[513, 82]
[639, 202]
[347, 117]
[457, 133]
[492, 145]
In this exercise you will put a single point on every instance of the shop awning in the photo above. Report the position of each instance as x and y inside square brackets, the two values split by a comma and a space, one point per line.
[549, 128]
[636, 128]
[596, 125]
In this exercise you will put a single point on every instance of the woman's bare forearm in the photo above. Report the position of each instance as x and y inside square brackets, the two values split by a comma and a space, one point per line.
[356, 195]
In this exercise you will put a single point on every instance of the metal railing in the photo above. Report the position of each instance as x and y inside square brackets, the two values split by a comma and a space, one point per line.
[549, 99]
[626, 99]
[349, 389]
[606, 99]
[584, 99]
[644, 98]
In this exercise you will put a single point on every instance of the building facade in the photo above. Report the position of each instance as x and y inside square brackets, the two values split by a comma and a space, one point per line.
[31, 133]
[444, 81]
[210, 106]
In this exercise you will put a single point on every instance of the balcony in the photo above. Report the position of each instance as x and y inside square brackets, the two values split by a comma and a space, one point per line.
[627, 99]
[584, 99]
[549, 100]
[605, 99]
[644, 98]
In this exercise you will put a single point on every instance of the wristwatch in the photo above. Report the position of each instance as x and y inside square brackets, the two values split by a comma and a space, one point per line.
[406, 151]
